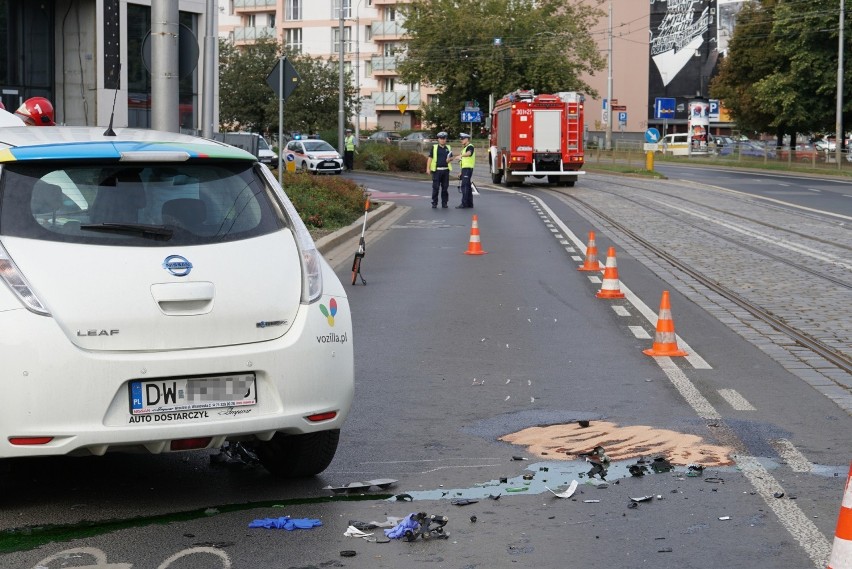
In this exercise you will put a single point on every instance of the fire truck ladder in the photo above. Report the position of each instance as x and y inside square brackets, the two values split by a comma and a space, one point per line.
[572, 131]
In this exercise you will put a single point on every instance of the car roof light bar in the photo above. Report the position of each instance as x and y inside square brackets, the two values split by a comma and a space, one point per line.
[155, 156]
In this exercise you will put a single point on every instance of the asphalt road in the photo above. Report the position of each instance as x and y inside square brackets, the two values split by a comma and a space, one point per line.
[455, 352]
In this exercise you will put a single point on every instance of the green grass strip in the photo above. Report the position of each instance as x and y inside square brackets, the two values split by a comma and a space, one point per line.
[30, 537]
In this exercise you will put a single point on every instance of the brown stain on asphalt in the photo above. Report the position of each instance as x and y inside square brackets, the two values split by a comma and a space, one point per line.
[567, 441]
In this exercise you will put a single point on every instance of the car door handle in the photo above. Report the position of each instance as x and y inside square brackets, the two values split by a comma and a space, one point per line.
[184, 299]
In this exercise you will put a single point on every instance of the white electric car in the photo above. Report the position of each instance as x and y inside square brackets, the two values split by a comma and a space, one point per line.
[160, 293]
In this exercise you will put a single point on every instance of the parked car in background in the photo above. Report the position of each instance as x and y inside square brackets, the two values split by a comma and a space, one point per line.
[420, 141]
[315, 156]
[750, 149]
[385, 137]
[802, 153]
[205, 313]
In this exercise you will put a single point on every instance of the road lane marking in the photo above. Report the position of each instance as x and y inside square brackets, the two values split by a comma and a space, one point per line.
[780, 202]
[575, 257]
[688, 391]
[735, 400]
[595, 280]
[798, 525]
[639, 332]
[693, 358]
[813, 253]
[792, 456]
[621, 311]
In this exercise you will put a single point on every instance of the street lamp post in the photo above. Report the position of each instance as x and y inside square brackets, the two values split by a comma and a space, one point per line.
[840, 136]
[340, 112]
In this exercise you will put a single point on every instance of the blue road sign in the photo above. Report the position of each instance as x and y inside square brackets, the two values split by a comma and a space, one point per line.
[471, 116]
[664, 108]
[652, 135]
[714, 109]
[622, 117]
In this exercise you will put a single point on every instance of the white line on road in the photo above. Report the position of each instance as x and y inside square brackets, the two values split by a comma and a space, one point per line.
[621, 311]
[736, 400]
[792, 456]
[575, 257]
[789, 514]
[595, 280]
[693, 358]
[638, 331]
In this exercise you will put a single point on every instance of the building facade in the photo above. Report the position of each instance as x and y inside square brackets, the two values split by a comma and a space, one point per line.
[91, 58]
[373, 44]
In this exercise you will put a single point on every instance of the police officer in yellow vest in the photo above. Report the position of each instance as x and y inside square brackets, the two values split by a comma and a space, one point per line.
[439, 163]
[467, 161]
[349, 150]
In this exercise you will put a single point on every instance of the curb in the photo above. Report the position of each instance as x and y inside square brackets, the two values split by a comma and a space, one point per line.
[329, 242]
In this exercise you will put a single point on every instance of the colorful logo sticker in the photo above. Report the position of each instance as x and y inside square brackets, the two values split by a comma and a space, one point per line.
[330, 311]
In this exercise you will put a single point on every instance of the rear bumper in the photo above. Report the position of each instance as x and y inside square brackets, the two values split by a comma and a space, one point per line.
[51, 388]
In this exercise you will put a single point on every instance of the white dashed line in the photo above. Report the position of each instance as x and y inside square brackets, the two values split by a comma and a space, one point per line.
[575, 257]
[792, 456]
[639, 332]
[736, 400]
[595, 280]
[621, 310]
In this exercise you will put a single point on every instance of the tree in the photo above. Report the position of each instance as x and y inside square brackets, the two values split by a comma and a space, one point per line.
[315, 103]
[243, 93]
[780, 73]
[474, 49]
[247, 103]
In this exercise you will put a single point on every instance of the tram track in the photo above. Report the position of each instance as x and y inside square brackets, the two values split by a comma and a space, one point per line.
[803, 338]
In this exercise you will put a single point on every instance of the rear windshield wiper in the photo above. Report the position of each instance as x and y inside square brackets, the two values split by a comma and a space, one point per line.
[146, 231]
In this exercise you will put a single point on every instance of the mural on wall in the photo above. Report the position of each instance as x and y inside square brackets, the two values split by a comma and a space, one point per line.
[684, 51]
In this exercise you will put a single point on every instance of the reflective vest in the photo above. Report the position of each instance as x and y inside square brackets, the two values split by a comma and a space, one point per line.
[349, 143]
[468, 161]
[434, 165]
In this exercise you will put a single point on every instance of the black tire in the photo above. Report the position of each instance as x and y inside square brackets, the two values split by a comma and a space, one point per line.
[554, 180]
[298, 456]
[570, 184]
[497, 176]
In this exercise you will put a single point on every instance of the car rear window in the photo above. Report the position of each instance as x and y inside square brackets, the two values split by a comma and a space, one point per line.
[142, 205]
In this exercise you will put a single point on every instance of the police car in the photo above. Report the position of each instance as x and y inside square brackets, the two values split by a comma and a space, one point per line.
[160, 293]
[315, 156]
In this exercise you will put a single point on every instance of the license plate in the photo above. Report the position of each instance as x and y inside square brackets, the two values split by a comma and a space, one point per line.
[328, 164]
[180, 394]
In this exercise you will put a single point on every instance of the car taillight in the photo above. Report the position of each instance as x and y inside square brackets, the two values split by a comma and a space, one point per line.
[309, 257]
[16, 281]
[190, 444]
[322, 416]
[28, 441]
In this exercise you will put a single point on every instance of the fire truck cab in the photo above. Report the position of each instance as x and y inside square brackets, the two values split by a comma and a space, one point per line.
[537, 135]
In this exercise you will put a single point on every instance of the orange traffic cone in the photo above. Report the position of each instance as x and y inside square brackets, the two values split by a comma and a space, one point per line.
[474, 246]
[841, 550]
[610, 287]
[591, 262]
[665, 341]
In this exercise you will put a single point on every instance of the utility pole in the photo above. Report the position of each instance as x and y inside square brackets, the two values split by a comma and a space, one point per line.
[840, 137]
[609, 116]
[164, 66]
[358, 71]
[340, 114]
[210, 70]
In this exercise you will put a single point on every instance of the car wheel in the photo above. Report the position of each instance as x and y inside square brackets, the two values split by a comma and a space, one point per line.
[298, 456]
[305, 167]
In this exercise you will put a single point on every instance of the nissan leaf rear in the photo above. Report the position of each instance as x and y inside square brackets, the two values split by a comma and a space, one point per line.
[160, 293]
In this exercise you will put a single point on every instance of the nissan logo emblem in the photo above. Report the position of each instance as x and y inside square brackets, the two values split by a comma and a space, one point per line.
[177, 265]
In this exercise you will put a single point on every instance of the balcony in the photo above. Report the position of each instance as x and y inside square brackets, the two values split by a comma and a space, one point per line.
[255, 5]
[390, 99]
[384, 65]
[387, 31]
[390, 2]
[244, 35]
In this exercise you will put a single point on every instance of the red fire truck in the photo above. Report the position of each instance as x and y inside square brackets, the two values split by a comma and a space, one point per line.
[537, 135]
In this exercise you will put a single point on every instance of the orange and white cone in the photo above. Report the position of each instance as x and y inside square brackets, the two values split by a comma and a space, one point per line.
[474, 246]
[610, 287]
[841, 550]
[665, 340]
[591, 261]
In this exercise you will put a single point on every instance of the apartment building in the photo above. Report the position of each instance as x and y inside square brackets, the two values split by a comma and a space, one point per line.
[373, 44]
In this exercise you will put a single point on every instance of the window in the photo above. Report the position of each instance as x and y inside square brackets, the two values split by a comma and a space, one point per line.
[368, 68]
[293, 39]
[251, 20]
[271, 21]
[335, 9]
[368, 33]
[293, 10]
[335, 39]
[390, 14]
[390, 83]
[389, 49]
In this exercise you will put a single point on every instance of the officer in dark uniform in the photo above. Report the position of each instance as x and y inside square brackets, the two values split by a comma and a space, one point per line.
[439, 165]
